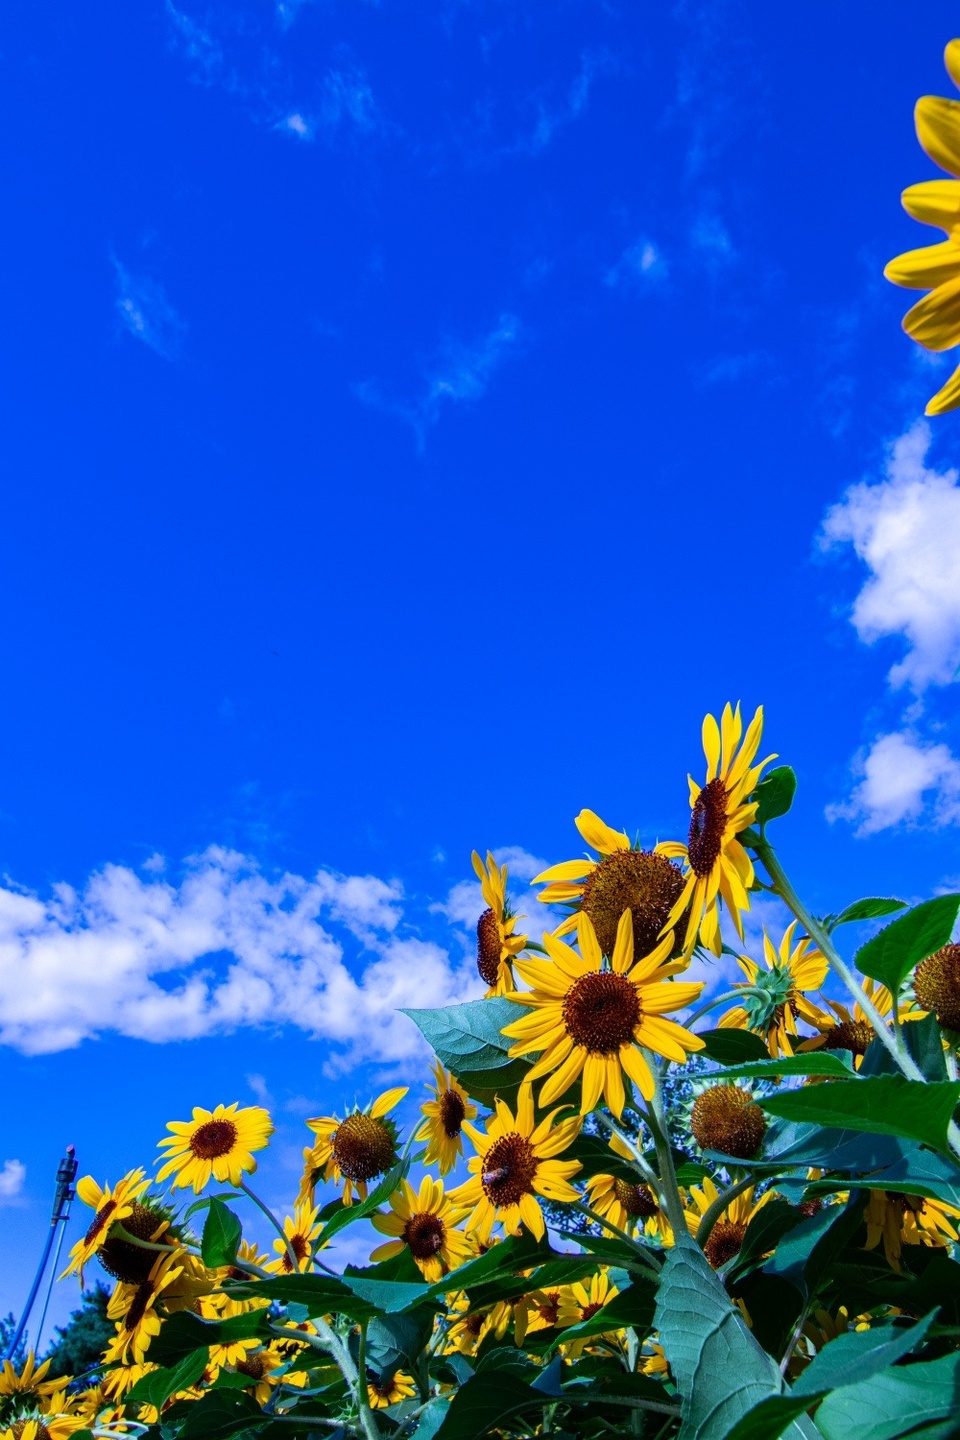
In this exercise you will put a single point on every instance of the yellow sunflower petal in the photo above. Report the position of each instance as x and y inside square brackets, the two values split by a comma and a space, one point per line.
[925, 268]
[938, 130]
[947, 398]
[599, 835]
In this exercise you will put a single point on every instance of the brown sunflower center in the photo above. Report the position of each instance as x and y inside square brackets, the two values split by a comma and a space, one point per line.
[452, 1113]
[727, 1118]
[363, 1147]
[549, 1308]
[852, 1035]
[508, 1169]
[588, 1311]
[707, 824]
[637, 1200]
[253, 1365]
[213, 1139]
[19, 1427]
[124, 1260]
[383, 1388]
[601, 1011]
[937, 986]
[725, 1241]
[488, 948]
[906, 1204]
[300, 1246]
[647, 884]
[425, 1234]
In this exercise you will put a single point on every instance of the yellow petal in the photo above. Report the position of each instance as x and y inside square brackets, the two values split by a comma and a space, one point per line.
[387, 1100]
[938, 130]
[599, 835]
[532, 1215]
[638, 1070]
[946, 399]
[951, 59]
[934, 202]
[622, 957]
[926, 268]
[589, 946]
[594, 1073]
[561, 1079]
[711, 745]
[566, 870]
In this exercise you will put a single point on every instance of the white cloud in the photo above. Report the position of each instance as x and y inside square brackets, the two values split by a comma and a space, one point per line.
[902, 780]
[147, 314]
[906, 529]
[640, 264]
[226, 947]
[12, 1175]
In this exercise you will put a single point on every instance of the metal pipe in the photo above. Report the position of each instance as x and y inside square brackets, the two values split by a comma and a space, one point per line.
[63, 1195]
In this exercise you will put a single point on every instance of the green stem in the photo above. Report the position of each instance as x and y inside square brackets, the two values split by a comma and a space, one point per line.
[635, 1403]
[122, 1234]
[370, 1426]
[251, 1195]
[736, 994]
[713, 1211]
[641, 1250]
[670, 1190]
[638, 1162]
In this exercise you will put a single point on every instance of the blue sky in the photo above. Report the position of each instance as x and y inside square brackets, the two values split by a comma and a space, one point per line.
[415, 418]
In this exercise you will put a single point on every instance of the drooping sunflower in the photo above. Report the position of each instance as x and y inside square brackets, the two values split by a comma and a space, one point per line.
[933, 322]
[899, 1220]
[716, 866]
[443, 1125]
[516, 1161]
[109, 1205]
[790, 971]
[121, 1378]
[424, 1223]
[497, 944]
[301, 1230]
[727, 1235]
[936, 985]
[214, 1143]
[622, 878]
[390, 1390]
[359, 1148]
[625, 1204]
[29, 1384]
[471, 1327]
[134, 1307]
[589, 1018]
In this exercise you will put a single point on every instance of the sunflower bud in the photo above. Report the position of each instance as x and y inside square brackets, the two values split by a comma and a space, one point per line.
[727, 1118]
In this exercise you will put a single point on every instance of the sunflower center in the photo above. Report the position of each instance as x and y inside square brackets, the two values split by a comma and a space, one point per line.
[727, 1118]
[425, 1234]
[637, 1200]
[906, 1204]
[124, 1260]
[19, 1427]
[363, 1147]
[852, 1035]
[452, 1113]
[99, 1221]
[707, 824]
[725, 1241]
[488, 948]
[300, 1246]
[549, 1308]
[601, 1011]
[213, 1139]
[508, 1169]
[384, 1388]
[937, 986]
[647, 884]
[252, 1365]
[587, 1311]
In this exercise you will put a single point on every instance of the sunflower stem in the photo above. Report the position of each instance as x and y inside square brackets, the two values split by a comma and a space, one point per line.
[252, 1195]
[641, 1250]
[670, 1189]
[119, 1231]
[735, 994]
[638, 1162]
[713, 1212]
[370, 1427]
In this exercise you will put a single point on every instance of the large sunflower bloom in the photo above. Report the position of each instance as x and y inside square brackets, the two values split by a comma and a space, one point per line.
[134, 1307]
[727, 1235]
[109, 1206]
[590, 1020]
[515, 1162]
[443, 1126]
[359, 1148]
[715, 863]
[934, 322]
[497, 944]
[790, 970]
[900, 1220]
[622, 878]
[214, 1143]
[300, 1231]
[424, 1223]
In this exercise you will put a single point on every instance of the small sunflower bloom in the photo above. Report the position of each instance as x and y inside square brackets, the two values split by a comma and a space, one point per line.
[840, 1028]
[516, 1161]
[134, 1307]
[109, 1206]
[30, 1382]
[552, 1309]
[390, 1390]
[497, 944]
[215, 1143]
[788, 973]
[260, 1368]
[300, 1231]
[471, 1327]
[590, 1296]
[716, 865]
[443, 1123]
[622, 877]
[359, 1148]
[423, 1222]
[589, 1018]
[728, 1233]
[899, 1219]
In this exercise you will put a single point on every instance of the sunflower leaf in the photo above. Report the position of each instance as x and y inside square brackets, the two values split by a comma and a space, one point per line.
[348, 1214]
[816, 1062]
[859, 1354]
[874, 907]
[219, 1414]
[467, 1040]
[898, 1401]
[157, 1387]
[220, 1241]
[733, 1047]
[487, 1400]
[899, 947]
[883, 1105]
[769, 1419]
[774, 795]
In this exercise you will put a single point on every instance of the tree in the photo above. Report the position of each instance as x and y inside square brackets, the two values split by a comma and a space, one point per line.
[8, 1326]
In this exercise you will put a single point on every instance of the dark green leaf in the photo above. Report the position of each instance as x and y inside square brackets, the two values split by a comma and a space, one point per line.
[924, 1041]
[596, 1158]
[180, 1335]
[807, 1253]
[633, 1306]
[774, 795]
[360, 1209]
[873, 908]
[886, 1105]
[891, 955]
[815, 1062]
[733, 1047]
[486, 1401]
[894, 1403]
[157, 1387]
[318, 1294]
[517, 1252]
[222, 1232]
[431, 1419]
[767, 1227]
[859, 1354]
[922, 1173]
[935, 1286]
[769, 1419]
[396, 1342]
[219, 1414]
[468, 1040]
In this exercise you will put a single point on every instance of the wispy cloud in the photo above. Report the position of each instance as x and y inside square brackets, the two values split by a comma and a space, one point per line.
[641, 265]
[554, 116]
[902, 781]
[462, 373]
[13, 1173]
[147, 314]
[711, 242]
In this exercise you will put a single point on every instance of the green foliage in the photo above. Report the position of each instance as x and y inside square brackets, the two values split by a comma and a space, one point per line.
[774, 795]
[886, 1105]
[222, 1232]
[891, 955]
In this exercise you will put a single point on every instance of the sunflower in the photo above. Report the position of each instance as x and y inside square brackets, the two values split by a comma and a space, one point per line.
[625, 1204]
[29, 1384]
[552, 1309]
[591, 1296]
[423, 1223]
[443, 1125]
[134, 1307]
[716, 865]
[300, 1230]
[932, 322]
[43, 1427]
[390, 1390]
[622, 878]
[497, 945]
[588, 1018]
[471, 1327]
[900, 1220]
[359, 1148]
[109, 1205]
[790, 971]
[215, 1142]
[259, 1367]
[121, 1378]
[515, 1162]
[726, 1237]
[936, 985]
[844, 1029]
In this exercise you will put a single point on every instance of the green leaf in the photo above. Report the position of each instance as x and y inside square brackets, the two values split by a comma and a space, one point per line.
[807, 1252]
[396, 1341]
[596, 1158]
[431, 1419]
[924, 1041]
[633, 1306]
[733, 1047]
[467, 1039]
[886, 1105]
[222, 1232]
[764, 1231]
[769, 1419]
[774, 795]
[487, 1400]
[815, 1062]
[922, 1173]
[360, 1209]
[859, 1354]
[936, 1286]
[873, 908]
[896, 1402]
[183, 1332]
[890, 956]
[219, 1414]
[157, 1387]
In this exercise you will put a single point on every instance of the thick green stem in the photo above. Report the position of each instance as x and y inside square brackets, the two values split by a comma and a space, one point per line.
[727, 995]
[670, 1190]
[713, 1212]
[370, 1427]
[637, 1161]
